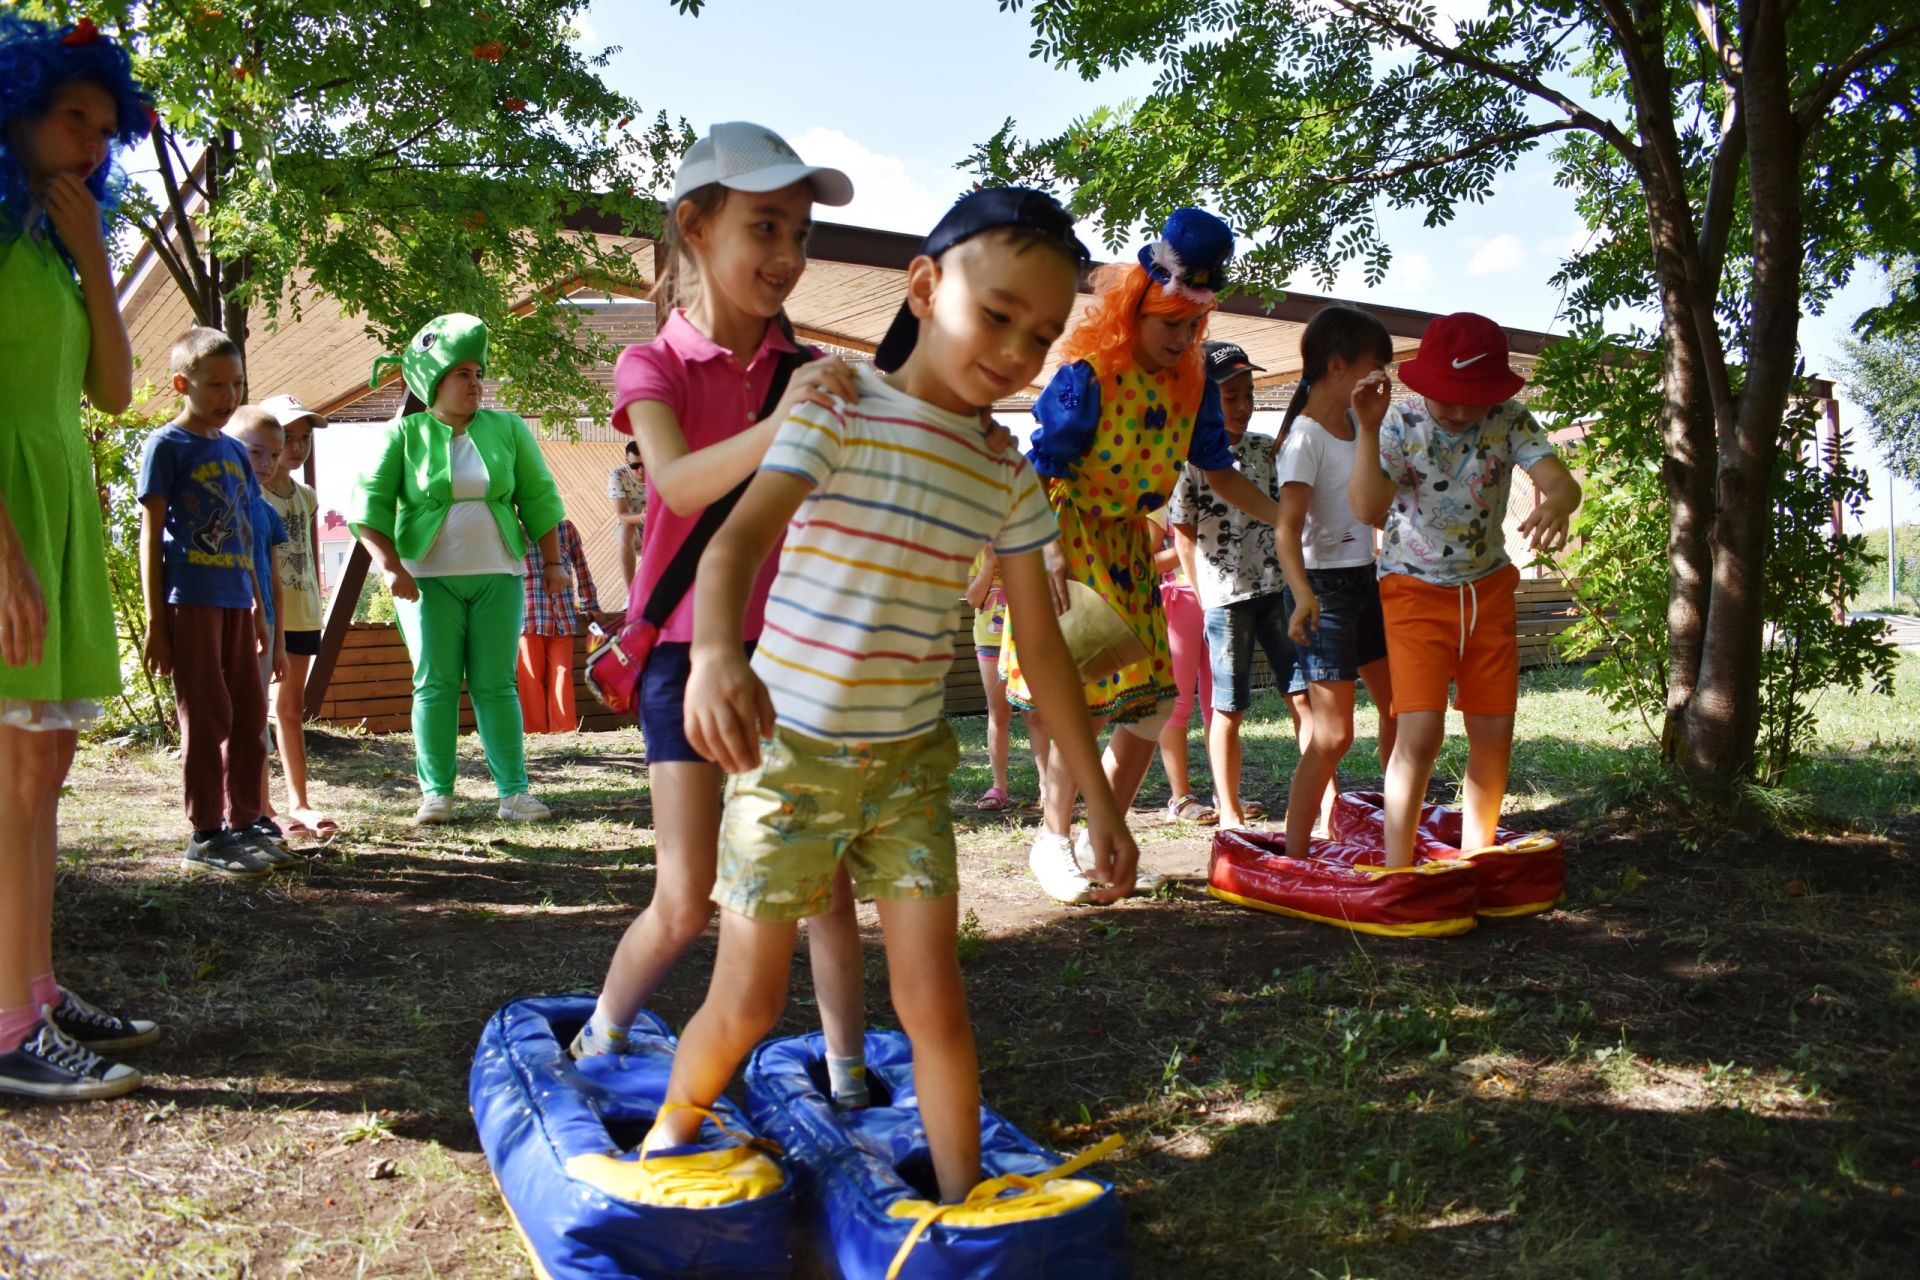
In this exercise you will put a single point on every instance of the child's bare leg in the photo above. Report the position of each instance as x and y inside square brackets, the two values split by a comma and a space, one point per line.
[289, 720]
[1042, 752]
[998, 716]
[839, 972]
[1330, 709]
[923, 966]
[744, 1000]
[1380, 687]
[1223, 755]
[1414, 751]
[1058, 793]
[33, 765]
[686, 825]
[1489, 755]
[1173, 757]
[1127, 758]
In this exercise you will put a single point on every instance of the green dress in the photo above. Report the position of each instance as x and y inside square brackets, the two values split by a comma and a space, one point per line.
[46, 475]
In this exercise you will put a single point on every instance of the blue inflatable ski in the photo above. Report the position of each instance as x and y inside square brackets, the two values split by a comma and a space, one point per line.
[867, 1179]
[562, 1139]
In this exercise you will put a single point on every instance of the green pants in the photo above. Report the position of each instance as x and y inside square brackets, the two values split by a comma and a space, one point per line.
[467, 625]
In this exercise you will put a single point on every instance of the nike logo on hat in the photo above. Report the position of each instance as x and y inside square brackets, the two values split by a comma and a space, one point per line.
[1461, 364]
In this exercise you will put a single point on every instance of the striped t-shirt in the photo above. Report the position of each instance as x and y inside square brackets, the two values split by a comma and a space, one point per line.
[859, 631]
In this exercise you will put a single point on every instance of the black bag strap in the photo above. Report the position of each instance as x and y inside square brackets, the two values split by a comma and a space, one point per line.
[674, 584]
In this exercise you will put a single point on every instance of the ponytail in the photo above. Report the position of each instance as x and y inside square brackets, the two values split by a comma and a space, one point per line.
[678, 284]
[1336, 332]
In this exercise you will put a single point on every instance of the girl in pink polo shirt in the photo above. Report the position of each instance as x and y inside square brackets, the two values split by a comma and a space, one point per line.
[736, 238]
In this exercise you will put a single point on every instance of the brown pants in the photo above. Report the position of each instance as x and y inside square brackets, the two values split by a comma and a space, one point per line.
[223, 711]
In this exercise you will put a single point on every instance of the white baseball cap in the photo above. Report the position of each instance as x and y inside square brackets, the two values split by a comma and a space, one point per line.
[750, 157]
[286, 411]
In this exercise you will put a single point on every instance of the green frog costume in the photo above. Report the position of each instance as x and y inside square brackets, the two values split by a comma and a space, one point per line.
[459, 507]
[46, 475]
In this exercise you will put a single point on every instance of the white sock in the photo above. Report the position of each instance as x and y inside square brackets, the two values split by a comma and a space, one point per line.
[847, 1077]
[601, 1027]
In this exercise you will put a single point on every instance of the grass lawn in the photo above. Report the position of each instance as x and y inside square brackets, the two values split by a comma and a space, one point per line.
[1707, 1063]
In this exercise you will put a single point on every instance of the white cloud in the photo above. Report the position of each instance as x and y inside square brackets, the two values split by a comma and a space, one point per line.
[1501, 254]
[888, 193]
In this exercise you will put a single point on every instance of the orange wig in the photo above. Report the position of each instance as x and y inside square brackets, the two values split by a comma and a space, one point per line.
[1103, 337]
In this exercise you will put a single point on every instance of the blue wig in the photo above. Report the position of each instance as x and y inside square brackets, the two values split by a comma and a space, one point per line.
[35, 60]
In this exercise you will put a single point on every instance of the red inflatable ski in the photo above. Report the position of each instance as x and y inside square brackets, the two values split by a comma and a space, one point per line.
[1521, 875]
[1344, 885]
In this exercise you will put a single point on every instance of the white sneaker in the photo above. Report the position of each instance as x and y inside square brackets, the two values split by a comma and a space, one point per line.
[1052, 862]
[1144, 881]
[433, 810]
[522, 807]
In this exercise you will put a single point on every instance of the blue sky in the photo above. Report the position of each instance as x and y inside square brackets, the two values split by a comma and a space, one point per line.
[896, 92]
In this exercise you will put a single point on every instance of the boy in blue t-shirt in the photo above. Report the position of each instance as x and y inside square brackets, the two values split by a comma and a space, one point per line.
[206, 617]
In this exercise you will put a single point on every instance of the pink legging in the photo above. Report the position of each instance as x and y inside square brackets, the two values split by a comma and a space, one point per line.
[1187, 638]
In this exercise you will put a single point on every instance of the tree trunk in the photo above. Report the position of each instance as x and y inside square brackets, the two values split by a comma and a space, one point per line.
[1723, 717]
[1688, 474]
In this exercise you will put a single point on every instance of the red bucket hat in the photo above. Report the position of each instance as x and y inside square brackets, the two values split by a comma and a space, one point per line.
[1463, 360]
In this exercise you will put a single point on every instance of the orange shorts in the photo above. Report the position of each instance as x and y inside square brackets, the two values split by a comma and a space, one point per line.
[1466, 635]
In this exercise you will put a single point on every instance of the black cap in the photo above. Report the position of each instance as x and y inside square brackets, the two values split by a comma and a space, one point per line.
[1225, 359]
[982, 210]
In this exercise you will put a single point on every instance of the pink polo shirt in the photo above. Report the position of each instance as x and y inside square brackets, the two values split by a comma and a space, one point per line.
[713, 399]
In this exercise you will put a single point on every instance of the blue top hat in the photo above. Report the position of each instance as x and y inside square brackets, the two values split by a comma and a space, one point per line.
[1190, 257]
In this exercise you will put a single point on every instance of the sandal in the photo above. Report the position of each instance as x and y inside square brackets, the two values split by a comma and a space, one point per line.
[993, 800]
[1253, 810]
[1189, 808]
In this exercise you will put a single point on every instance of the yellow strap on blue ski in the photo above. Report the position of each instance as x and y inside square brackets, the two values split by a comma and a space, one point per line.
[693, 1180]
[1038, 1195]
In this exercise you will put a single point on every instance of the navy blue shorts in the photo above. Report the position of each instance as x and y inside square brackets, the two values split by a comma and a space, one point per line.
[1353, 632]
[663, 696]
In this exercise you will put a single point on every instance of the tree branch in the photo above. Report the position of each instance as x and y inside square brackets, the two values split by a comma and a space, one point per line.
[182, 226]
[1578, 117]
[1723, 185]
[1814, 103]
[1811, 110]
[171, 261]
[1708, 17]
[1460, 153]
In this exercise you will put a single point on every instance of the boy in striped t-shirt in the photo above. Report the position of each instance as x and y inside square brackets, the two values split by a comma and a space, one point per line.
[835, 731]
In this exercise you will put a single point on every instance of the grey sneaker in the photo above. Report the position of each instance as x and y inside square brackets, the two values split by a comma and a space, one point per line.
[270, 851]
[433, 811]
[223, 854]
[51, 1066]
[522, 807]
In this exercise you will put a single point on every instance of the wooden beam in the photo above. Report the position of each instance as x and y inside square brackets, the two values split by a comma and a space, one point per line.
[346, 598]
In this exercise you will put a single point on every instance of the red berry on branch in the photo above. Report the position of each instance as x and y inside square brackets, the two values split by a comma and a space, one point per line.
[491, 51]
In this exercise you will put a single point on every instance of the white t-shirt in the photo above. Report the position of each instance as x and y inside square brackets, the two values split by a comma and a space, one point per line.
[860, 620]
[1332, 536]
[469, 540]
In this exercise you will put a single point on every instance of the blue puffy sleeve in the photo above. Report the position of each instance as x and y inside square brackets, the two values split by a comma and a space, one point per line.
[1068, 416]
[1210, 450]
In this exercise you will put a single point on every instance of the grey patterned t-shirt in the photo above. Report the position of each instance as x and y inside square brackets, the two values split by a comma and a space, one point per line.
[1235, 558]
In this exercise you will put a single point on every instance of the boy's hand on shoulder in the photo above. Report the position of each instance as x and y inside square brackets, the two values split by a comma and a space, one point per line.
[1116, 860]
[728, 711]
[1372, 396]
[1000, 437]
[817, 382]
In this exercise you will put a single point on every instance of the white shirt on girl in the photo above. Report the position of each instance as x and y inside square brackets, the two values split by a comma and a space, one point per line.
[1332, 537]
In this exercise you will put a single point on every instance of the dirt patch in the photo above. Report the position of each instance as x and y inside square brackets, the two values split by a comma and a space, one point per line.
[1699, 1065]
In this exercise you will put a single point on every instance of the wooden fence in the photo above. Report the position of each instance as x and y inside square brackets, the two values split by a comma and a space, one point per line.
[372, 685]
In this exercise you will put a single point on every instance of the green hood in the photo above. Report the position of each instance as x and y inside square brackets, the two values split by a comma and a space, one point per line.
[443, 343]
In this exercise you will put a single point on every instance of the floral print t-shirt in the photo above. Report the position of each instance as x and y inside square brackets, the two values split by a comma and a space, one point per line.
[1446, 524]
